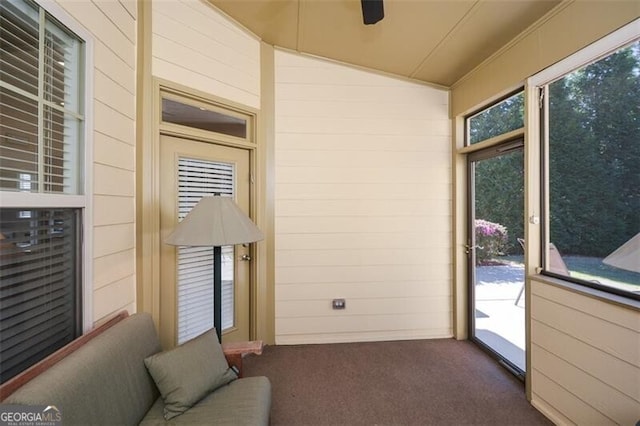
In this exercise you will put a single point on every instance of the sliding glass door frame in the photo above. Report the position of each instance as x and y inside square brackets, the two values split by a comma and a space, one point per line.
[493, 151]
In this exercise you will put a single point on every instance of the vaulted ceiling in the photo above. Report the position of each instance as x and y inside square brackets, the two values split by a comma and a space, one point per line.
[437, 41]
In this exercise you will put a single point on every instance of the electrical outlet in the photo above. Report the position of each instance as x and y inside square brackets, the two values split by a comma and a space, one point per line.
[339, 304]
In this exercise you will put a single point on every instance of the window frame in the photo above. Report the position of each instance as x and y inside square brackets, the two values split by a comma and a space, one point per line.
[83, 201]
[539, 106]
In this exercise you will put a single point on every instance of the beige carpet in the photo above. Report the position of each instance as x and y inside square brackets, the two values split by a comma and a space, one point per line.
[423, 382]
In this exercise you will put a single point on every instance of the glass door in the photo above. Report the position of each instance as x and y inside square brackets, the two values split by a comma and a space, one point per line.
[495, 252]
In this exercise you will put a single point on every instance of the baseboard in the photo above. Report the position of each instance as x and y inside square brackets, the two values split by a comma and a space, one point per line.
[306, 339]
[549, 412]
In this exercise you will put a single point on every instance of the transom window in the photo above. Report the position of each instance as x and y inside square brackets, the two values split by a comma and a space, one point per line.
[501, 118]
[204, 115]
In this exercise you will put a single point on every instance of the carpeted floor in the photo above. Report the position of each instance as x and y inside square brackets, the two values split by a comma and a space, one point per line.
[421, 382]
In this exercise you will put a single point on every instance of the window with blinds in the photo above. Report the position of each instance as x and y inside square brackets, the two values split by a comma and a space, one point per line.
[41, 152]
[40, 102]
[39, 272]
[196, 179]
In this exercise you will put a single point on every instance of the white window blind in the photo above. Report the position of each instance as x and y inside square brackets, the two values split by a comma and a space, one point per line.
[40, 107]
[197, 178]
[39, 275]
[41, 153]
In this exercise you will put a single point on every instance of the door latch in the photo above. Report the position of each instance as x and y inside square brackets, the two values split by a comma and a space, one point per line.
[468, 248]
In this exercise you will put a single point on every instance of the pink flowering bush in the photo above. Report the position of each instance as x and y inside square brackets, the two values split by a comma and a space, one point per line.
[492, 239]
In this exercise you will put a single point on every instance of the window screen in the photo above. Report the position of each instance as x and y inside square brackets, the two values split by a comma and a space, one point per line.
[594, 174]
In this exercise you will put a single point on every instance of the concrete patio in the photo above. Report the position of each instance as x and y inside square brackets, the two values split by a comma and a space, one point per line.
[499, 321]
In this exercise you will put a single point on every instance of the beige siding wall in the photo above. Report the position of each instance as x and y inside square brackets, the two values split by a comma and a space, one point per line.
[113, 26]
[570, 27]
[362, 205]
[197, 46]
[585, 357]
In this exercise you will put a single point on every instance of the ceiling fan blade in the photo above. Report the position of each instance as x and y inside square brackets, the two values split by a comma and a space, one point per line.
[372, 11]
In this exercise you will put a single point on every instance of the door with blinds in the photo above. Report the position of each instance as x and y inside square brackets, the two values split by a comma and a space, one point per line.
[190, 170]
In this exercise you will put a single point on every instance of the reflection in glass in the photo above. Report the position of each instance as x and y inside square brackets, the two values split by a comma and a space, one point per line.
[202, 118]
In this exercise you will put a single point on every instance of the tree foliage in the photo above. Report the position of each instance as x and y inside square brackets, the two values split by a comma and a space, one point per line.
[594, 155]
[499, 193]
[594, 158]
[491, 240]
[501, 118]
[499, 181]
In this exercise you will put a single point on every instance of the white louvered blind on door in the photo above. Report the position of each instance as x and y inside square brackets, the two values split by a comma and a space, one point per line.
[197, 178]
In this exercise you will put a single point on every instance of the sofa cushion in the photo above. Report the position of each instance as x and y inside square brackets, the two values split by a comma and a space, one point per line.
[104, 381]
[186, 374]
[244, 401]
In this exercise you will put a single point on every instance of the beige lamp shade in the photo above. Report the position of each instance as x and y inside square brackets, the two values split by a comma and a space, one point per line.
[215, 221]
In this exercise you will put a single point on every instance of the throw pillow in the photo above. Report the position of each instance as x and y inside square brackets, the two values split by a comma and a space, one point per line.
[188, 373]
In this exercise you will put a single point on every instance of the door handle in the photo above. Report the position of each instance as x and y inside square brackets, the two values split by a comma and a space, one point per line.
[245, 257]
[468, 248]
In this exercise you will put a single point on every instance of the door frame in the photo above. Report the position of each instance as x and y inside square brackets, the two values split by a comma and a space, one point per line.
[505, 146]
[148, 200]
[171, 150]
[531, 132]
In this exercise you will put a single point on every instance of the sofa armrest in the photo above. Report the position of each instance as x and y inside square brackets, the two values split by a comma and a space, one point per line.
[11, 385]
[234, 351]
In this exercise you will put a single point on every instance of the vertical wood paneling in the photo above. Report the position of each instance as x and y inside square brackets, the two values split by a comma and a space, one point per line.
[113, 26]
[585, 357]
[196, 46]
[363, 198]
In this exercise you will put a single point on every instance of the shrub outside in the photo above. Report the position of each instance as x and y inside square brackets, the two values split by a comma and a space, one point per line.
[491, 240]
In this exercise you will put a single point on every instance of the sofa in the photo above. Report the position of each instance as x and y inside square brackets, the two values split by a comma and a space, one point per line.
[120, 376]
